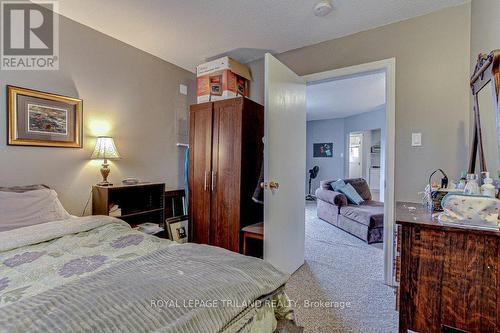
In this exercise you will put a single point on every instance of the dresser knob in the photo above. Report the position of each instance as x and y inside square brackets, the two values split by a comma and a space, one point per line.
[417, 234]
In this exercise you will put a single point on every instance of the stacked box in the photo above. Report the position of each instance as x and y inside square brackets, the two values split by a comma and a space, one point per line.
[221, 79]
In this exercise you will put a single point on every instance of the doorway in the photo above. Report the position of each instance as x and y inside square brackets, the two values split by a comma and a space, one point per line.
[364, 155]
[388, 66]
[279, 81]
[355, 169]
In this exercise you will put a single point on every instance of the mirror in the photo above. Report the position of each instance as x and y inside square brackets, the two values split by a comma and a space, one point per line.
[489, 131]
[485, 86]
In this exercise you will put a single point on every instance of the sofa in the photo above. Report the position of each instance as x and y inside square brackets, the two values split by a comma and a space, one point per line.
[365, 221]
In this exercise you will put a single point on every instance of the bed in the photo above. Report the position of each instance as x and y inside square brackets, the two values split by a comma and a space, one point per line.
[97, 274]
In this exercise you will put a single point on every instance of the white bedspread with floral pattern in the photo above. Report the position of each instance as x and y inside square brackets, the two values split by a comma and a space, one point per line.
[97, 274]
[44, 256]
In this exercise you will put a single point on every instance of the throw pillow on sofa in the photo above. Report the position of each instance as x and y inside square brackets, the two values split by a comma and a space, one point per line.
[351, 194]
[336, 185]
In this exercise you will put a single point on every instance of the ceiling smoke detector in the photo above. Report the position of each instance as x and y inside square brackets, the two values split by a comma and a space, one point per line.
[323, 8]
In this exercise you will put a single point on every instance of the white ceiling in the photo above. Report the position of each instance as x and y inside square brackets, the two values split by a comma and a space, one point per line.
[187, 32]
[345, 97]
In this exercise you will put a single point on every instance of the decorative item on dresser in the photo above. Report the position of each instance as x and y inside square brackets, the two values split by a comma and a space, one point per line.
[225, 159]
[135, 204]
[449, 274]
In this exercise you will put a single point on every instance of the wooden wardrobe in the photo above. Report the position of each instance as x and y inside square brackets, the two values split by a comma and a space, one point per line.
[225, 158]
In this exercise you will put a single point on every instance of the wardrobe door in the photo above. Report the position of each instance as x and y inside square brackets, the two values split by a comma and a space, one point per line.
[226, 166]
[200, 159]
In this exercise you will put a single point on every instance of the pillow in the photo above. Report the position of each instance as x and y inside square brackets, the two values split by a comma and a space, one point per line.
[338, 184]
[23, 209]
[21, 189]
[361, 186]
[326, 184]
[351, 194]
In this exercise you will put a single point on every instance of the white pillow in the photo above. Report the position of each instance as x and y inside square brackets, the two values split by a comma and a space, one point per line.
[19, 210]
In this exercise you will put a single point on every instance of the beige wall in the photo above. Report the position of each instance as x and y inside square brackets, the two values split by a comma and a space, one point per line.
[432, 97]
[485, 35]
[127, 93]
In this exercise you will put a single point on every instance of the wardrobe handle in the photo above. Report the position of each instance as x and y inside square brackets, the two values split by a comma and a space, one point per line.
[206, 184]
[213, 181]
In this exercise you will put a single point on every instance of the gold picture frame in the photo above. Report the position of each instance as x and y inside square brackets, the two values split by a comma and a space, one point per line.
[37, 118]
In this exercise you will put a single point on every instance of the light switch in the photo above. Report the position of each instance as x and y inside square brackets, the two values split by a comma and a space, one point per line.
[416, 139]
[183, 89]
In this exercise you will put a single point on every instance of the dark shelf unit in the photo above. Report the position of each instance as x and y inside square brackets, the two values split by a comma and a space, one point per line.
[139, 203]
[174, 202]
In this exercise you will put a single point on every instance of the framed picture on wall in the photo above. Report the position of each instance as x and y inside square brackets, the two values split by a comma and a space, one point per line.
[323, 149]
[37, 118]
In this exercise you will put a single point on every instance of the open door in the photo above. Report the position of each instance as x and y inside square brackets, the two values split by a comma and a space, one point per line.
[284, 166]
[356, 155]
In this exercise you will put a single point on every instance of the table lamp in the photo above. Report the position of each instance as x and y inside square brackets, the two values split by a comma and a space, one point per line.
[105, 149]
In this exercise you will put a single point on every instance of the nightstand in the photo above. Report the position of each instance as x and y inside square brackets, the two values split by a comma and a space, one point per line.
[139, 203]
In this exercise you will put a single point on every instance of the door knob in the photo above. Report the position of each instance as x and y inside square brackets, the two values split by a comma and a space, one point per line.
[271, 185]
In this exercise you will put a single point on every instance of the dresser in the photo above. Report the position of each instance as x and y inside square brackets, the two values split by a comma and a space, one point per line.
[449, 274]
[225, 159]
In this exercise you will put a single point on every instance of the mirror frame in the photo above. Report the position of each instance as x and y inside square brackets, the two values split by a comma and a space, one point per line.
[487, 70]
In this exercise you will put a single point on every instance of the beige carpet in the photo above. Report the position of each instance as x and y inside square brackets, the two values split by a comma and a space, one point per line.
[340, 288]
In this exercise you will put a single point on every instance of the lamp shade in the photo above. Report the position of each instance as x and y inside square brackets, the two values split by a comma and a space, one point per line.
[105, 149]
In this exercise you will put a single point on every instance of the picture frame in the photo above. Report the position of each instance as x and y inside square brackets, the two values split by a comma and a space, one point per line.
[177, 228]
[37, 118]
[323, 149]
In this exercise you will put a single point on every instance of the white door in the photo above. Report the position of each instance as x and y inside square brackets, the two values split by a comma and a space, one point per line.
[355, 155]
[284, 164]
